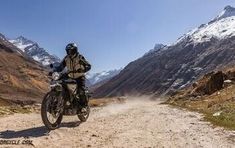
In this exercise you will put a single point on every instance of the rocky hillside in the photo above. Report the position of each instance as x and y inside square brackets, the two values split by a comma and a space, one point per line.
[33, 50]
[21, 78]
[212, 95]
[209, 47]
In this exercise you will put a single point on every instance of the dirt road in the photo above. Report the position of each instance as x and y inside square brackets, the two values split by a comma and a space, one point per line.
[132, 124]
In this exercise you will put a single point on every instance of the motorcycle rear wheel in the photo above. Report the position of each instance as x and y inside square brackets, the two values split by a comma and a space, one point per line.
[84, 116]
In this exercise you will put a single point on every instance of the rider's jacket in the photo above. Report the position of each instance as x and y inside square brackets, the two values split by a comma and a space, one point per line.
[77, 65]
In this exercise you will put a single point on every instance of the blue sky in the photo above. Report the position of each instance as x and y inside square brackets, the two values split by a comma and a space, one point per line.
[110, 33]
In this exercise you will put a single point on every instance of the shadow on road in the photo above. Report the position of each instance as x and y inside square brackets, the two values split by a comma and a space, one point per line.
[31, 132]
[34, 132]
[70, 124]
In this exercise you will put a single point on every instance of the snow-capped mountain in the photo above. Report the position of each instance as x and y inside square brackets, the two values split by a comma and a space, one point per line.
[223, 26]
[210, 47]
[11, 47]
[32, 49]
[95, 78]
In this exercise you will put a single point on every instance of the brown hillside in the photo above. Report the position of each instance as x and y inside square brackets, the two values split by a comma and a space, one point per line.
[21, 78]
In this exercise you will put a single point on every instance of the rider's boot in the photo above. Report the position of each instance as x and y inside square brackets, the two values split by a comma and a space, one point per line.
[83, 102]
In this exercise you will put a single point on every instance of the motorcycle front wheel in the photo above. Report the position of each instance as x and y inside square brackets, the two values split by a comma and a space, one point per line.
[50, 114]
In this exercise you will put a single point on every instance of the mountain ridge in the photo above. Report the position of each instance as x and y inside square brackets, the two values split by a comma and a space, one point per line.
[33, 50]
[208, 47]
[98, 77]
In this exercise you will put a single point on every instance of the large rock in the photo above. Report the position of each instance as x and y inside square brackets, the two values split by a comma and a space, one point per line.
[211, 83]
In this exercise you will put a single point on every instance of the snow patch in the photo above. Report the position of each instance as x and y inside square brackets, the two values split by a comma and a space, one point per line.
[20, 45]
[98, 77]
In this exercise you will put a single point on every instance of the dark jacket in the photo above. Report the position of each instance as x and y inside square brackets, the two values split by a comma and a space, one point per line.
[77, 65]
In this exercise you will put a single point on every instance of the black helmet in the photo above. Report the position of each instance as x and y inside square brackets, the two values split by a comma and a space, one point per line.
[71, 49]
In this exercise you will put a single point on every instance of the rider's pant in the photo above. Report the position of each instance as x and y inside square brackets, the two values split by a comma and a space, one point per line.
[81, 85]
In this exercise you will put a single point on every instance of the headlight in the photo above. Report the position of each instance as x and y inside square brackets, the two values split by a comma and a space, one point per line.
[55, 76]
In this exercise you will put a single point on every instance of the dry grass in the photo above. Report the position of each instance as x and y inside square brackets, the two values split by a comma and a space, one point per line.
[9, 110]
[21, 78]
[222, 101]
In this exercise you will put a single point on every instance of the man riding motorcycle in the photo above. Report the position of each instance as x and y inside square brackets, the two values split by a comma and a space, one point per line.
[76, 66]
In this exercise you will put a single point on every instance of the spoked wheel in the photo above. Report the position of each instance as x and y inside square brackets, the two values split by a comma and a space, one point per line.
[52, 111]
[84, 116]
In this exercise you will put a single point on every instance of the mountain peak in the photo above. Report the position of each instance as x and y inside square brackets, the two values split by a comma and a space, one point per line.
[221, 27]
[24, 40]
[21, 37]
[32, 49]
[2, 37]
[229, 8]
[157, 47]
[227, 12]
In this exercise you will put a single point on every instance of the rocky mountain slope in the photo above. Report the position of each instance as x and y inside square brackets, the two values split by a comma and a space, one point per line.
[20, 76]
[212, 95]
[209, 47]
[32, 49]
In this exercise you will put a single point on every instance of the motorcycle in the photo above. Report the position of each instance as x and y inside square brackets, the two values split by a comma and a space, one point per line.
[62, 100]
